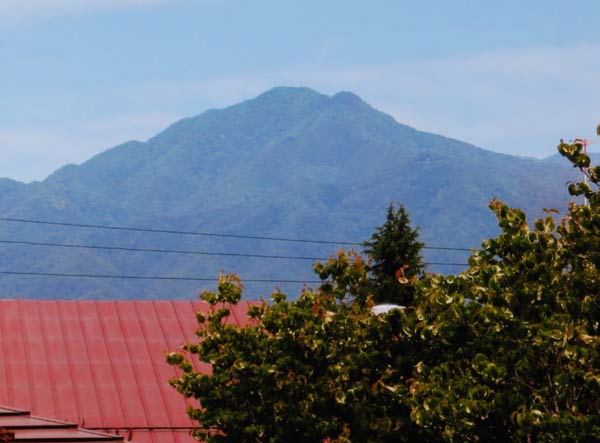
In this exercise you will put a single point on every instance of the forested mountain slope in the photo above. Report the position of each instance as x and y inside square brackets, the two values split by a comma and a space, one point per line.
[290, 163]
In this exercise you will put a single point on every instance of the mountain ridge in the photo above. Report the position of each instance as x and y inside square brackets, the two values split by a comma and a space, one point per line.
[291, 162]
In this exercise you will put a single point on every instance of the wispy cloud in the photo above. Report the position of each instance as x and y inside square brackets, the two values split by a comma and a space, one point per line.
[23, 11]
[514, 101]
[31, 153]
[519, 101]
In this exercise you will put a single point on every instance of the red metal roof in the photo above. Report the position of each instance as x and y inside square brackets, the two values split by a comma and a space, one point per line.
[100, 364]
[25, 428]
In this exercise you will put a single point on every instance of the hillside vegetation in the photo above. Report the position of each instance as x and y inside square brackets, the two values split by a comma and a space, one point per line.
[290, 163]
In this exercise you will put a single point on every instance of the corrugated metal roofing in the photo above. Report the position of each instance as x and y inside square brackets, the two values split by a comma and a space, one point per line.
[22, 427]
[100, 364]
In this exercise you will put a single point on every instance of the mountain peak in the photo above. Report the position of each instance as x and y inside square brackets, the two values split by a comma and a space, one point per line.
[289, 93]
[347, 97]
[290, 163]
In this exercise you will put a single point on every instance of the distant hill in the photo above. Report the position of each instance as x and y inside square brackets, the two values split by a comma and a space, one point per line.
[290, 163]
[560, 160]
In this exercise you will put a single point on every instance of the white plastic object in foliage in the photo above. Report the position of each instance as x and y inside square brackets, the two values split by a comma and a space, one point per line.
[385, 308]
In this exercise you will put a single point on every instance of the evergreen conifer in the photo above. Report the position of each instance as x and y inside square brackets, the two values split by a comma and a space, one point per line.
[396, 261]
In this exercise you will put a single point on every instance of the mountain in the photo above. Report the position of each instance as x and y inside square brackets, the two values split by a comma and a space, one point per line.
[559, 159]
[289, 163]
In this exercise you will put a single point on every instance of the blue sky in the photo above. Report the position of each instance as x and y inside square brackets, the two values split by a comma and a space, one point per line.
[80, 76]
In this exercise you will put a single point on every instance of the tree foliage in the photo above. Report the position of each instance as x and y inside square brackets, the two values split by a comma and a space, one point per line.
[507, 351]
[395, 254]
[316, 368]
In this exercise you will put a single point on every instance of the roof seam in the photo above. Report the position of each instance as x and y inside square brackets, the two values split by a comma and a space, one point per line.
[110, 359]
[50, 371]
[196, 308]
[171, 368]
[133, 368]
[184, 335]
[92, 370]
[173, 309]
[72, 374]
[26, 351]
[154, 368]
[231, 309]
[5, 360]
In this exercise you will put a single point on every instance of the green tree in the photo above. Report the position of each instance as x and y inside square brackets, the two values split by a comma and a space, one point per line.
[395, 254]
[314, 370]
[522, 362]
[507, 351]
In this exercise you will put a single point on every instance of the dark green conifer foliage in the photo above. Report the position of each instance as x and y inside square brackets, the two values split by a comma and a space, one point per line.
[395, 258]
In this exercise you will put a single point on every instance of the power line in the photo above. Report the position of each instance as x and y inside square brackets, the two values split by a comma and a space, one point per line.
[141, 277]
[170, 251]
[170, 231]
[445, 264]
[443, 248]
[206, 234]
[179, 251]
